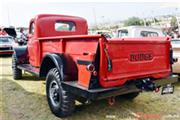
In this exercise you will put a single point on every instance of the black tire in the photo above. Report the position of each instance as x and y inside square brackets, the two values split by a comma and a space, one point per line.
[61, 102]
[131, 96]
[17, 73]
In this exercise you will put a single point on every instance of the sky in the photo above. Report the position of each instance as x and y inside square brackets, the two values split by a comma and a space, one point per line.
[20, 12]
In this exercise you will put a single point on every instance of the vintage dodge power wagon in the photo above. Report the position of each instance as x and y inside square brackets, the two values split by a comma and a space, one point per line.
[83, 67]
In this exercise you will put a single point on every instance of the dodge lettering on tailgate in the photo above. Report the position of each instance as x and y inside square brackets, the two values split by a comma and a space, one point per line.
[141, 56]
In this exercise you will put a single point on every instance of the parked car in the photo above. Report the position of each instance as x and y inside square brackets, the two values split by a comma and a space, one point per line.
[10, 31]
[106, 33]
[21, 39]
[6, 44]
[176, 55]
[139, 31]
[92, 67]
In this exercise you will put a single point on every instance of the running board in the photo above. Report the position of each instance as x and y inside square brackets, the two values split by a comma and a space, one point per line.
[29, 68]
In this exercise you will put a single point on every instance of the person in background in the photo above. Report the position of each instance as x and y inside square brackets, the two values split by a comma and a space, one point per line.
[23, 36]
[23, 39]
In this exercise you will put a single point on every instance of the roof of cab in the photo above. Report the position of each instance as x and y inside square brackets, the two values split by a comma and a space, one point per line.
[48, 20]
[75, 18]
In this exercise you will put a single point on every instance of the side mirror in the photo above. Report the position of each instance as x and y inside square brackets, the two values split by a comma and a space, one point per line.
[29, 36]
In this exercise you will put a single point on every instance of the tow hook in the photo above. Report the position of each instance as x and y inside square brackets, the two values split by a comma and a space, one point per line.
[111, 101]
[146, 84]
[157, 89]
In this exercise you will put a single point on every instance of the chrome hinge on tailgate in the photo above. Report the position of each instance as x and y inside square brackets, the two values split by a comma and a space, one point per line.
[108, 59]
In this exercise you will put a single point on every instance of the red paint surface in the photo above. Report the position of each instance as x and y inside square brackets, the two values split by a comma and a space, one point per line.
[124, 69]
[84, 47]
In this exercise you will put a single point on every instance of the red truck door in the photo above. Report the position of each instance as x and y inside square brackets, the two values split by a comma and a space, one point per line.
[33, 46]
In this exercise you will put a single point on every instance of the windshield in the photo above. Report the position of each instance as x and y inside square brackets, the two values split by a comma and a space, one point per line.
[175, 41]
[148, 34]
[122, 33]
[5, 39]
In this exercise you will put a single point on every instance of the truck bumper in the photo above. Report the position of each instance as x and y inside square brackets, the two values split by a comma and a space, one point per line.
[169, 80]
[101, 93]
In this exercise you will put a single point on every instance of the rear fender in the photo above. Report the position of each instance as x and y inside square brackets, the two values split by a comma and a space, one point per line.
[51, 61]
[21, 54]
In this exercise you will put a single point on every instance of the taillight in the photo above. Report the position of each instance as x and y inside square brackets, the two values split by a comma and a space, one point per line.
[90, 67]
[95, 73]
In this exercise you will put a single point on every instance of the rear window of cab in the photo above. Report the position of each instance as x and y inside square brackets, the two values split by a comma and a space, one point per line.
[65, 26]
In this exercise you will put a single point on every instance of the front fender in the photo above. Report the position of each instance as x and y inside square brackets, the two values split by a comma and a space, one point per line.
[21, 54]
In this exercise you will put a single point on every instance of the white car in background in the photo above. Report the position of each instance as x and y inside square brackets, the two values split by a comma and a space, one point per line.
[6, 44]
[176, 55]
[139, 31]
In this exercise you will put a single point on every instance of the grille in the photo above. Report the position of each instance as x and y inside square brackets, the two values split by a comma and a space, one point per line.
[7, 48]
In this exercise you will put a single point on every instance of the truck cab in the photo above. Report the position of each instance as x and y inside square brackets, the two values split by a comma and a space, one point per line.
[55, 25]
[78, 66]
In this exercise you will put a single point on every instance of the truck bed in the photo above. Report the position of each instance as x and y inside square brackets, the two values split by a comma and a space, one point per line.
[130, 58]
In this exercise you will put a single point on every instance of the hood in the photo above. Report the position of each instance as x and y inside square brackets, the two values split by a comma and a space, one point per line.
[11, 32]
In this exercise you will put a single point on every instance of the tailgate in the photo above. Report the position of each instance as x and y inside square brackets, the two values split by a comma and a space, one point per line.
[133, 58]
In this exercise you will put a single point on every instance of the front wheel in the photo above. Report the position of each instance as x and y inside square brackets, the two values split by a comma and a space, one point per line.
[61, 102]
[17, 73]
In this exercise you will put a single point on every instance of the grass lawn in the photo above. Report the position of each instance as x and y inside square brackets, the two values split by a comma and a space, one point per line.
[25, 100]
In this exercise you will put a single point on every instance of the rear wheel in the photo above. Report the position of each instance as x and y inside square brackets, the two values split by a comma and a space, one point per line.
[17, 73]
[61, 102]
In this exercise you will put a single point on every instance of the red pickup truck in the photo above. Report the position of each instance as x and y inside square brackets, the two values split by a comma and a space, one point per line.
[78, 66]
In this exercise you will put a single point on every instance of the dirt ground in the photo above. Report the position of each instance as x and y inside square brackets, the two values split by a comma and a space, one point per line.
[25, 100]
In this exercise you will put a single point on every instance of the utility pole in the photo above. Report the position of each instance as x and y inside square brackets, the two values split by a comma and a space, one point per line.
[94, 13]
[152, 14]
[176, 14]
[144, 19]
[8, 15]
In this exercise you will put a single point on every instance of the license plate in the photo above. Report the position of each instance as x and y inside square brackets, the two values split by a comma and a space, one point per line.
[167, 90]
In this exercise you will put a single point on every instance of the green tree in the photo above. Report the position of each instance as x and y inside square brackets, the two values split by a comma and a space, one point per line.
[174, 23]
[148, 23]
[133, 21]
[156, 20]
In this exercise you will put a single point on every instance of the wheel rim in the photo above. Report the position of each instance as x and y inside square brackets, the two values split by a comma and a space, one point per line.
[54, 93]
